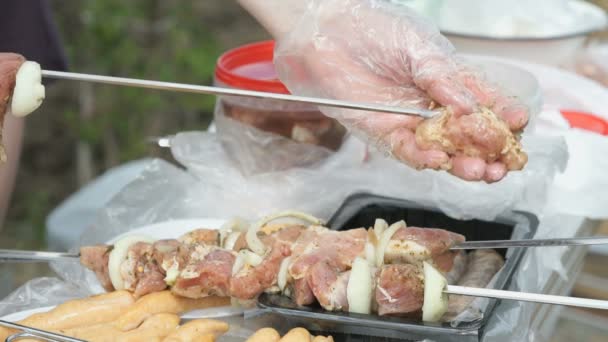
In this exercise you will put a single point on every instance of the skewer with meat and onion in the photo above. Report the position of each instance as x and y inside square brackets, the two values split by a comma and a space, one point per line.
[389, 270]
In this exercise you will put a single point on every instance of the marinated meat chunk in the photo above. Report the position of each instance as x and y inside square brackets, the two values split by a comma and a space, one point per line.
[250, 282]
[207, 273]
[201, 236]
[341, 248]
[329, 285]
[400, 289]
[140, 271]
[414, 245]
[481, 134]
[96, 259]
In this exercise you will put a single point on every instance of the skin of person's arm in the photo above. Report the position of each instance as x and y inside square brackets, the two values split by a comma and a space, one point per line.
[277, 16]
[12, 136]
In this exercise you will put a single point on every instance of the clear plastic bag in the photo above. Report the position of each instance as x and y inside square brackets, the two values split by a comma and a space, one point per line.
[38, 293]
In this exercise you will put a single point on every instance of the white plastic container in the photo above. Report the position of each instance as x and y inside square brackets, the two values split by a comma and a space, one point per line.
[550, 32]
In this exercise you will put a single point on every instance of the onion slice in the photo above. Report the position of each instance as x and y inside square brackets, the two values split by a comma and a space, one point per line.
[235, 224]
[231, 240]
[359, 289]
[379, 227]
[435, 302]
[243, 258]
[282, 276]
[370, 253]
[254, 242]
[385, 239]
[29, 91]
[119, 254]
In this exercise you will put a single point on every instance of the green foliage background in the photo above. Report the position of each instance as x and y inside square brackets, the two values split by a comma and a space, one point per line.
[169, 40]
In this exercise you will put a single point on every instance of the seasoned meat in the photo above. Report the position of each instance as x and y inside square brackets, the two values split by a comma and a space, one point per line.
[208, 273]
[96, 258]
[329, 285]
[252, 281]
[301, 293]
[201, 236]
[341, 248]
[414, 245]
[400, 289]
[481, 134]
[140, 271]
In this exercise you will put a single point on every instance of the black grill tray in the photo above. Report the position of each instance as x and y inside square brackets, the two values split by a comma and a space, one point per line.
[361, 210]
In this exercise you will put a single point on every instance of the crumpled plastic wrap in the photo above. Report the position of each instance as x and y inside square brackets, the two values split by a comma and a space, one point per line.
[213, 186]
[40, 292]
[254, 150]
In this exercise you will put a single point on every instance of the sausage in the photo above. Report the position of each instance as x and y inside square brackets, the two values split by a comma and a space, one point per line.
[154, 328]
[459, 266]
[200, 330]
[163, 302]
[296, 335]
[482, 265]
[88, 311]
[265, 335]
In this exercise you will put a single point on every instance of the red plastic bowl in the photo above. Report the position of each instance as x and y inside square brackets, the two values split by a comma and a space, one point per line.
[250, 67]
[586, 121]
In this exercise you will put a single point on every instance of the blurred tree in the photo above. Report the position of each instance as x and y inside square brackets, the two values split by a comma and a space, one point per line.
[84, 129]
[150, 39]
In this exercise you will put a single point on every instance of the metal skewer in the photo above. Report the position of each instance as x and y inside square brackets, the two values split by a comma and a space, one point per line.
[578, 241]
[13, 255]
[527, 297]
[29, 332]
[209, 90]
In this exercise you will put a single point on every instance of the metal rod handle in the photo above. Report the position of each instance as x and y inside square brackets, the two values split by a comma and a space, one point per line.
[527, 297]
[209, 90]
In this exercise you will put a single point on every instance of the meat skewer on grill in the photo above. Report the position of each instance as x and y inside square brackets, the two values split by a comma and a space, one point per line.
[301, 259]
[307, 263]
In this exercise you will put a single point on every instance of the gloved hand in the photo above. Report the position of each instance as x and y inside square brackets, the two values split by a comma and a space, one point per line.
[376, 52]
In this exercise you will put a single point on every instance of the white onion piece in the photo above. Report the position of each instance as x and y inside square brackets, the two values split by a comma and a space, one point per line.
[235, 224]
[359, 289]
[252, 258]
[29, 91]
[254, 242]
[231, 239]
[379, 227]
[243, 258]
[172, 273]
[119, 254]
[239, 262]
[370, 252]
[282, 276]
[385, 239]
[435, 302]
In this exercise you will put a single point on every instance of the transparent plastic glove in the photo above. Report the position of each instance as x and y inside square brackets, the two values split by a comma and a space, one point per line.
[377, 52]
